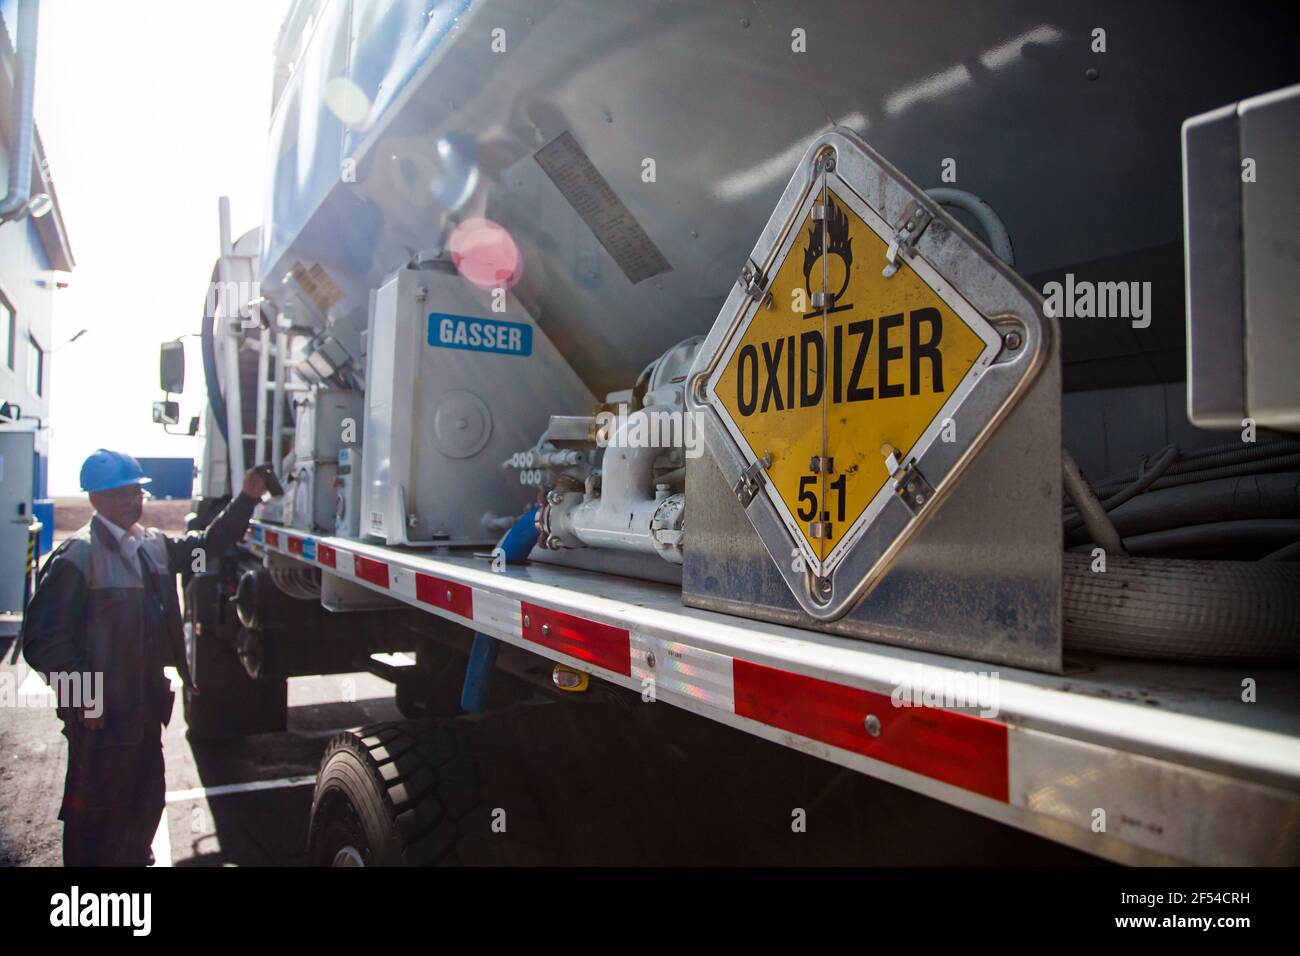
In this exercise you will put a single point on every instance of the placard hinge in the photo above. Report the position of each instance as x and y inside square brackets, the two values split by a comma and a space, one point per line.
[911, 487]
[750, 482]
[754, 283]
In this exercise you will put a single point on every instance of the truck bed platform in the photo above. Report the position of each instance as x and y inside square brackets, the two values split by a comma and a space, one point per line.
[1132, 761]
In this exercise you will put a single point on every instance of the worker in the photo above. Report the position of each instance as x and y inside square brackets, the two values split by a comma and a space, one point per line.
[104, 621]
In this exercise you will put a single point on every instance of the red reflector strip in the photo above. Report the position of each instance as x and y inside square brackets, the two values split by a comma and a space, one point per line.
[326, 555]
[273, 539]
[368, 569]
[965, 751]
[447, 595]
[295, 545]
[601, 644]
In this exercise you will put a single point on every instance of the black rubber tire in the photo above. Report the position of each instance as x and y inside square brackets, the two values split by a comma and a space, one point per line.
[409, 794]
[228, 704]
[429, 792]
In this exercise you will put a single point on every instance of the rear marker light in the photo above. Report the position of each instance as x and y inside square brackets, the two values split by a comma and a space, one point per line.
[568, 679]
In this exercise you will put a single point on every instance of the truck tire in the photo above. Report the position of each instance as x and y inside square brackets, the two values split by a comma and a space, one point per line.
[539, 784]
[227, 703]
[406, 793]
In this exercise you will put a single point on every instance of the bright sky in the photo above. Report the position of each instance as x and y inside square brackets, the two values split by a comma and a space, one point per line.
[149, 110]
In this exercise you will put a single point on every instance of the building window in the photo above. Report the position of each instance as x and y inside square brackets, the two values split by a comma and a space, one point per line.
[35, 366]
[6, 332]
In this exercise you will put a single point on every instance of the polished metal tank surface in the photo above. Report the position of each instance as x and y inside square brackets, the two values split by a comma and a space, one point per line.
[685, 120]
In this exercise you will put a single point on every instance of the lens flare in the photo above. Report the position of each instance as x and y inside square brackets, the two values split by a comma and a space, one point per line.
[486, 254]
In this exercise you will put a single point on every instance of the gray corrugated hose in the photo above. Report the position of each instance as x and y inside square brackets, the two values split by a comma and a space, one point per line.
[1206, 611]
[1227, 499]
[1093, 514]
[1289, 553]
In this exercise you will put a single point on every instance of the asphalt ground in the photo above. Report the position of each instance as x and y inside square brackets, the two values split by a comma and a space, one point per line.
[237, 803]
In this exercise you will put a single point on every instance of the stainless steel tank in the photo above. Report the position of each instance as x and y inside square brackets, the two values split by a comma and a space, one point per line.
[675, 126]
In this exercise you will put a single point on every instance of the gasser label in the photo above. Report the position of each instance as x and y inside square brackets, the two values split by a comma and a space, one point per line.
[479, 335]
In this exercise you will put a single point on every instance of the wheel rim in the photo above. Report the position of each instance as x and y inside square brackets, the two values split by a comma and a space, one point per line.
[348, 856]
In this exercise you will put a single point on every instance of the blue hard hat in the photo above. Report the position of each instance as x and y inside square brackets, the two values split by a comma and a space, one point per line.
[105, 470]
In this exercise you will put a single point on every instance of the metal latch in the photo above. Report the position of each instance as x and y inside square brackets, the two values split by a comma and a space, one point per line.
[915, 220]
[912, 487]
[750, 482]
[754, 283]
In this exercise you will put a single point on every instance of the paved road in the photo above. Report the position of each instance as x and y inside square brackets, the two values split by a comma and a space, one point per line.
[239, 803]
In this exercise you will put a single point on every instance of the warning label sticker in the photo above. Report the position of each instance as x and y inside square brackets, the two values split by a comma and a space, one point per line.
[587, 191]
[318, 285]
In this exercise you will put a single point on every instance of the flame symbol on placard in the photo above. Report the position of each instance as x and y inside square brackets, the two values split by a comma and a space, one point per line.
[841, 244]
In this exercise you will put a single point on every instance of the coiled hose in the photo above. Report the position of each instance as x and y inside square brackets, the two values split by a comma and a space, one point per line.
[1221, 500]
[1146, 604]
[1195, 611]
[1213, 458]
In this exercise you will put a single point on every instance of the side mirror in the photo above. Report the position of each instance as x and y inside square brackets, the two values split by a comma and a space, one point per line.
[166, 413]
[171, 367]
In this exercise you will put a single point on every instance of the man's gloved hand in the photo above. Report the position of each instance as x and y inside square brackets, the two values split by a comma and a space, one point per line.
[254, 484]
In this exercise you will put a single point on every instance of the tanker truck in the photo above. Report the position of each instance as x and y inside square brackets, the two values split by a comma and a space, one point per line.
[912, 391]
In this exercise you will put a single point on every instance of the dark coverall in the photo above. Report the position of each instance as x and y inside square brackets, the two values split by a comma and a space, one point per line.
[97, 612]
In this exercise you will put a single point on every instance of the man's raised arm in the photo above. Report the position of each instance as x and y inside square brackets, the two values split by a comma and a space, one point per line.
[225, 530]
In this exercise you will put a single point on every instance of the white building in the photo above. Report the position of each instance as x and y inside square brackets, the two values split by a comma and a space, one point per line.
[34, 252]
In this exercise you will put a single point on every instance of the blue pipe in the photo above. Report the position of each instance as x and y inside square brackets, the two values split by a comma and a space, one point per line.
[482, 658]
[518, 542]
[515, 546]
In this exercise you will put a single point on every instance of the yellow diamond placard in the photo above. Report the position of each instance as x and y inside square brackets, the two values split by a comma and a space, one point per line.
[821, 388]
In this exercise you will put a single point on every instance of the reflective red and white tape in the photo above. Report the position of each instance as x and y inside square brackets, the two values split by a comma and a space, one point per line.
[983, 764]
[954, 748]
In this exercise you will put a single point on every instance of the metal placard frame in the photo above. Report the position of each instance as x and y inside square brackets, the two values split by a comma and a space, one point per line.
[966, 275]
